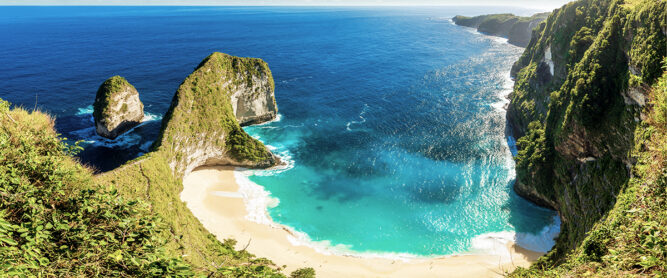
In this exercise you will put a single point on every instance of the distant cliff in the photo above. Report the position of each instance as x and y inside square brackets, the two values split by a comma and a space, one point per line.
[516, 29]
[583, 107]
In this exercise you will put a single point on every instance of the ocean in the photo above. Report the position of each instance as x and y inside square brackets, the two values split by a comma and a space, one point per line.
[392, 119]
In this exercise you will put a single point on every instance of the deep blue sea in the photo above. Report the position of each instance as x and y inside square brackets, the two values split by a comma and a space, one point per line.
[392, 119]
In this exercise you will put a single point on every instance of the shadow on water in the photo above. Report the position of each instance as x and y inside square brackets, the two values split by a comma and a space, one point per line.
[525, 216]
[103, 154]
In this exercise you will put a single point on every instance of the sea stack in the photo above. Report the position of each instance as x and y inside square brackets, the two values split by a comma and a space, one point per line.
[117, 107]
[203, 125]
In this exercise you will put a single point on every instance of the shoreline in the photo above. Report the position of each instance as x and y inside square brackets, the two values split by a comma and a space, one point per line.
[212, 194]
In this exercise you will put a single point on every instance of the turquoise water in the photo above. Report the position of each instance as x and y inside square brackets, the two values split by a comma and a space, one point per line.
[392, 120]
[401, 156]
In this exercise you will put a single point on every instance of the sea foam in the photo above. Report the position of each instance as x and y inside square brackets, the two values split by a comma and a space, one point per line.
[124, 141]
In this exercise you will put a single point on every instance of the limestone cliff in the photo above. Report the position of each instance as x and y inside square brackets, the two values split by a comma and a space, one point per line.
[135, 211]
[117, 107]
[202, 126]
[578, 97]
[253, 100]
[516, 29]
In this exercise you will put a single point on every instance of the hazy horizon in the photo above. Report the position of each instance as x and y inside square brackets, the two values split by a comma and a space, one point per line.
[535, 4]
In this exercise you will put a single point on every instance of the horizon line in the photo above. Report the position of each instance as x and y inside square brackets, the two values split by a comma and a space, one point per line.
[285, 5]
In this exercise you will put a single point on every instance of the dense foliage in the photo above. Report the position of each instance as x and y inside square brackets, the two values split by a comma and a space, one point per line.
[54, 221]
[630, 240]
[579, 123]
[57, 219]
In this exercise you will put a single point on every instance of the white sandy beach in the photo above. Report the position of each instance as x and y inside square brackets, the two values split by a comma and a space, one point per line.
[211, 193]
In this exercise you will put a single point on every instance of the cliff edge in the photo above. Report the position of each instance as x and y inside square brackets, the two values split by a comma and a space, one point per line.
[202, 126]
[516, 29]
[579, 106]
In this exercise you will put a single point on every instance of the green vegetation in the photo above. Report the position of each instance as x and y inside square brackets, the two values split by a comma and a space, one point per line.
[580, 135]
[198, 115]
[516, 28]
[103, 98]
[630, 240]
[57, 219]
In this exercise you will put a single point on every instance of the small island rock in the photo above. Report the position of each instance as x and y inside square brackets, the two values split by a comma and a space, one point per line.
[117, 108]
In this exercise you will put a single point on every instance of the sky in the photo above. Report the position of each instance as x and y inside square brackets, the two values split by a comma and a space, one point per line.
[539, 4]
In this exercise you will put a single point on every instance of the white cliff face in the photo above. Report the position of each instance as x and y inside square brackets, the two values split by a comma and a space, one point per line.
[121, 110]
[548, 61]
[200, 129]
[254, 104]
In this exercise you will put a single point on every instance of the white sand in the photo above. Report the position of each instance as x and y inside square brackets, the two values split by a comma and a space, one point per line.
[212, 195]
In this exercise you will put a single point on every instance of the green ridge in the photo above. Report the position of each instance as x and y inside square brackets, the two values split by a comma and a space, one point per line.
[58, 219]
[579, 134]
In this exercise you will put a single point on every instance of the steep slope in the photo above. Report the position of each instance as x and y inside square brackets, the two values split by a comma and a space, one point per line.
[54, 220]
[80, 224]
[580, 90]
[517, 29]
[200, 128]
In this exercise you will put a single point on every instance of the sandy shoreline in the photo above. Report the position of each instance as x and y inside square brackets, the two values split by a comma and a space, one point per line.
[211, 193]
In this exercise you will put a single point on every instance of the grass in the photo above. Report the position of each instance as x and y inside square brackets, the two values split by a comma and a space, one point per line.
[57, 219]
[630, 240]
[588, 136]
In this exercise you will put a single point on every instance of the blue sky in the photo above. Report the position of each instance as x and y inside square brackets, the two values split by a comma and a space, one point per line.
[539, 4]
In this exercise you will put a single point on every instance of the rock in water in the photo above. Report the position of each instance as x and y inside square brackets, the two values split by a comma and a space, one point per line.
[117, 107]
[203, 125]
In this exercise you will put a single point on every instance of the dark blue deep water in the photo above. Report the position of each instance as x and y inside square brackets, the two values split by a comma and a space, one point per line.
[392, 119]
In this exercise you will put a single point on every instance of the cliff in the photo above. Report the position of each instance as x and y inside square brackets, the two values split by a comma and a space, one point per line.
[202, 125]
[516, 29]
[131, 221]
[117, 107]
[580, 106]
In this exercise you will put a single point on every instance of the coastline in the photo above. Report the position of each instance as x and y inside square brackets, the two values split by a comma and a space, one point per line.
[212, 194]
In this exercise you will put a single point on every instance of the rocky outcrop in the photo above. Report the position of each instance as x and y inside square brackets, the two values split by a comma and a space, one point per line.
[202, 126]
[254, 102]
[576, 102]
[117, 107]
[516, 29]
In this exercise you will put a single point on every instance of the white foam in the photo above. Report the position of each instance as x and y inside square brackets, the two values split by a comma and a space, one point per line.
[126, 140]
[496, 243]
[278, 118]
[493, 244]
[85, 110]
[256, 199]
[361, 116]
[542, 242]
[325, 247]
[90, 136]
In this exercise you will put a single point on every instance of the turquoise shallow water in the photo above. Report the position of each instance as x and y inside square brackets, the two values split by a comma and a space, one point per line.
[391, 118]
[406, 156]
